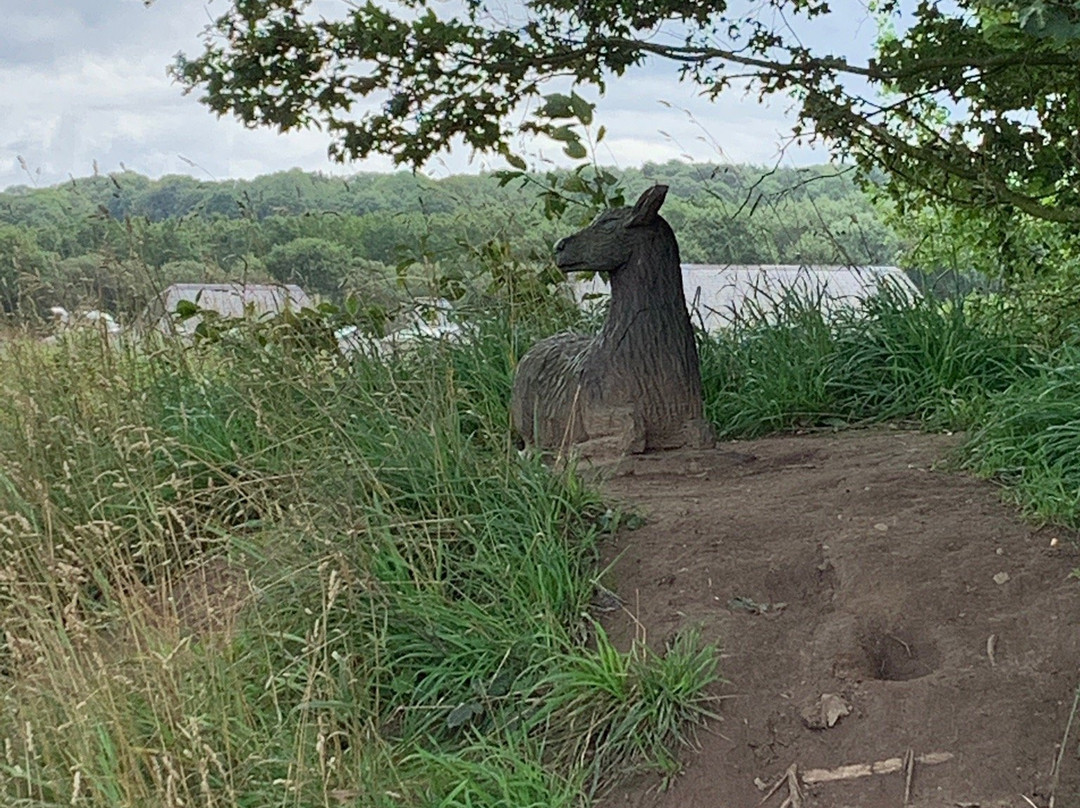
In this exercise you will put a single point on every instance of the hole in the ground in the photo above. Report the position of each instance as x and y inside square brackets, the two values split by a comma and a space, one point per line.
[897, 655]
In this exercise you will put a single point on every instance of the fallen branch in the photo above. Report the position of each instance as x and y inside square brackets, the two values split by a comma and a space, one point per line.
[1061, 750]
[854, 770]
[909, 773]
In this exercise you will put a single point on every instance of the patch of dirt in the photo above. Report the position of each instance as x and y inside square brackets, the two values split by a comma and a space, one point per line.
[203, 601]
[851, 566]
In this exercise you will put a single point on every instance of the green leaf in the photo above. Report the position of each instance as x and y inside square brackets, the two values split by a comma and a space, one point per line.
[1056, 24]
[575, 150]
[500, 685]
[186, 308]
[506, 177]
[574, 184]
[583, 110]
[515, 161]
[563, 133]
[557, 106]
[463, 714]
[1032, 17]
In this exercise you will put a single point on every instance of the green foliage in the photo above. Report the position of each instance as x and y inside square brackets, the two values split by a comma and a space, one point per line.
[493, 775]
[1032, 265]
[980, 109]
[624, 709]
[770, 373]
[1030, 439]
[20, 259]
[100, 281]
[932, 362]
[252, 572]
[999, 244]
[795, 367]
[315, 264]
[111, 242]
[190, 271]
[593, 188]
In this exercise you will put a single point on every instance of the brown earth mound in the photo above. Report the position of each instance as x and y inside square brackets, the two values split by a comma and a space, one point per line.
[852, 581]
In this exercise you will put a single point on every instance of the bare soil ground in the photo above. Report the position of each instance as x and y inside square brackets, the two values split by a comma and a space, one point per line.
[855, 565]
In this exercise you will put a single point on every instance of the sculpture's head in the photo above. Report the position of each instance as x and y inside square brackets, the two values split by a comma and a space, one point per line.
[614, 236]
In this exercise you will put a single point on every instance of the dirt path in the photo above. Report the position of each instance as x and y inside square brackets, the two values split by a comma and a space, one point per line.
[847, 564]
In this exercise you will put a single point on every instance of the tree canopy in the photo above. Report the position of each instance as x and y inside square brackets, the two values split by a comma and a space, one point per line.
[972, 102]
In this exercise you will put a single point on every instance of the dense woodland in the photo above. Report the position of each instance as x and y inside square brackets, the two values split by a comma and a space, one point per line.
[110, 240]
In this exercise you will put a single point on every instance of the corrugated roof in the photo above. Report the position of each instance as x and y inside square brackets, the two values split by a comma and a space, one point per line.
[227, 299]
[719, 294]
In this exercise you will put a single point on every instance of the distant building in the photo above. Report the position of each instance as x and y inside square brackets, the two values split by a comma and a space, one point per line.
[226, 299]
[718, 294]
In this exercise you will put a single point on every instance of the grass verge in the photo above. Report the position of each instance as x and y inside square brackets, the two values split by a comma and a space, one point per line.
[248, 573]
[795, 366]
[944, 366]
[1030, 439]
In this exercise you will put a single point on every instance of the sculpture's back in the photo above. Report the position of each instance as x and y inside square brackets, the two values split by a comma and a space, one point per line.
[636, 385]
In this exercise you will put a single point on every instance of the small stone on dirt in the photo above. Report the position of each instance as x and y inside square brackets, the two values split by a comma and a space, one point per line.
[1001, 578]
[824, 711]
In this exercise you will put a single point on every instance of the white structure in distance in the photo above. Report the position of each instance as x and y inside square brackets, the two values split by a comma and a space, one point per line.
[233, 300]
[425, 319]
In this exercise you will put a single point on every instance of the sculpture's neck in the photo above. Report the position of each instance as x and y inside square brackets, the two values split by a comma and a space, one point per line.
[648, 291]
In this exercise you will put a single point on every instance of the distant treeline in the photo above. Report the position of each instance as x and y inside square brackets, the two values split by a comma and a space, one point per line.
[109, 240]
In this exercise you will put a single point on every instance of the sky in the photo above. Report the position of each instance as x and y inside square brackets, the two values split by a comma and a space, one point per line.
[84, 83]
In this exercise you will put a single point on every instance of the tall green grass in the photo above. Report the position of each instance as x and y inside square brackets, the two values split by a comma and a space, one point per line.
[250, 573]
[947, 366]
[794, 365]
[1030, 439]
[770, 371]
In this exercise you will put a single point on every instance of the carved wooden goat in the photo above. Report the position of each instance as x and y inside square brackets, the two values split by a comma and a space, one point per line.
[636, 385]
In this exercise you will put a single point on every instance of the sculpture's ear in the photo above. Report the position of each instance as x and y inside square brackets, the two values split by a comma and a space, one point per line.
[647, 206]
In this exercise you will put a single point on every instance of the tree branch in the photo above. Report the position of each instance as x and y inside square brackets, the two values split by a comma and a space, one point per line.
[702, 55]
[1022, 202]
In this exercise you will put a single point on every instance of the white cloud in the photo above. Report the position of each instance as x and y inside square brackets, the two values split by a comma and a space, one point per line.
[85, 81]
[653, 114]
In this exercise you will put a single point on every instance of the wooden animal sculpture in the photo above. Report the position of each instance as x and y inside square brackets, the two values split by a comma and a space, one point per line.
[636, 385]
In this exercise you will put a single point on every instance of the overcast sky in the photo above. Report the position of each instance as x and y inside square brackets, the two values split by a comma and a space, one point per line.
[85, 80]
